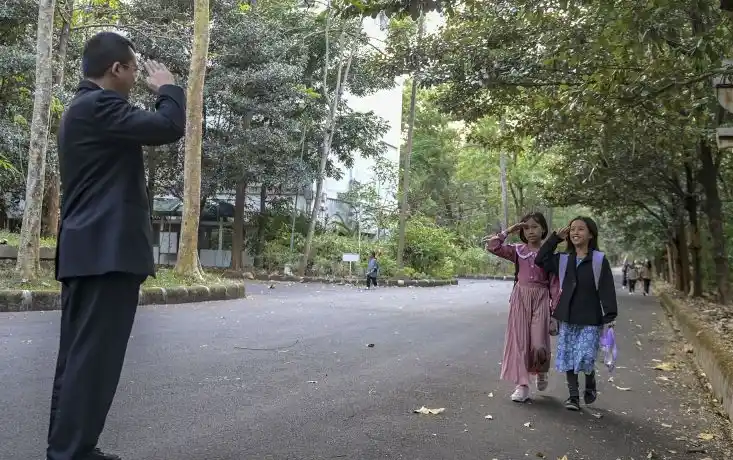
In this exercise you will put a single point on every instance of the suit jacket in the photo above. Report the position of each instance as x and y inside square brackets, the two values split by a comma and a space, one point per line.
[105, 216]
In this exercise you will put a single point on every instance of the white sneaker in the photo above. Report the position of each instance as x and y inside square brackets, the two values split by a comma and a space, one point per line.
[521, 394]
[542, 381]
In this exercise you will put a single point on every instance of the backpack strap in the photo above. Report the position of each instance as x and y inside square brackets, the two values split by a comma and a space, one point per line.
[562, 268]
[597, 264]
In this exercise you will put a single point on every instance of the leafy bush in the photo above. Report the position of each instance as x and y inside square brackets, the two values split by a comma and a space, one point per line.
[430, 252]
[427, 246]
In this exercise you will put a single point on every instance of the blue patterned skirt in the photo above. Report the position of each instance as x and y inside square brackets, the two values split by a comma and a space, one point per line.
[577, 347]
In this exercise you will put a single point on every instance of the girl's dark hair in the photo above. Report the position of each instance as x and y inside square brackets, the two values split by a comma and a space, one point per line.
[537, 217]
[374, 254]
[592, 228]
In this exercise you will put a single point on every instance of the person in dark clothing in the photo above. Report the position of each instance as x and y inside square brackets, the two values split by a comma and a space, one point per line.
[624, 274]
[583, 310]
[645, 274]
[372, 270]
[105, 239]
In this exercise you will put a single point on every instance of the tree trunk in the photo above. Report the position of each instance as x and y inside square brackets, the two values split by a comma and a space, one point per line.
[188, 263]
[683, 258]
[51, 196]
[30, 234]
[406, 157]
[240, 196]
[3, 212]
[671, 258]
[714, 210]
[328, 132]
[691, 207]
[504, 191]
[261, 221]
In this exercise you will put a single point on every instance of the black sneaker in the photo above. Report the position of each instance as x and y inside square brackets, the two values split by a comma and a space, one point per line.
[97, 454]
[590, 396]
[572, 403]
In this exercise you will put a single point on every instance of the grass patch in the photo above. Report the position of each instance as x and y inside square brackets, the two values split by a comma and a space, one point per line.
[165, 277]
[13, 239]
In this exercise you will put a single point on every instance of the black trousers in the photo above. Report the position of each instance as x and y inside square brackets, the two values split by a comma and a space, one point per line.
[647, 285]
[632, 285]
[96, 321]
[371, 280]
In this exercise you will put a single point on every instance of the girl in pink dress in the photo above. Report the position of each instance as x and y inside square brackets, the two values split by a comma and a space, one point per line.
[527, 343]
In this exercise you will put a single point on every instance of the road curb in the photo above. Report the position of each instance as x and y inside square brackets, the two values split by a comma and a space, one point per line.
[397, 282]
[26, 300]
[709, 351]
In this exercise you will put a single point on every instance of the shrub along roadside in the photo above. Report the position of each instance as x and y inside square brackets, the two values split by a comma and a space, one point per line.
[430, 252]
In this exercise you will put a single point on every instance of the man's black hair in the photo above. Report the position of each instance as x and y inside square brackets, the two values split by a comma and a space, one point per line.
[102, 51]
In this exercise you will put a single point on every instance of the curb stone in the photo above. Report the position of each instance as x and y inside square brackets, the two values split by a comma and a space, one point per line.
[26, 300]
[709, 350]
[358, 281]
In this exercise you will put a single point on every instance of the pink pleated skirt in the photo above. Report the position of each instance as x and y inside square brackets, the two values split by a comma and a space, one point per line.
[527, 348]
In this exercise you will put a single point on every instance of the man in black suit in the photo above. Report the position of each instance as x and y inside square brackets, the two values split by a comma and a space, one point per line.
[105, 243]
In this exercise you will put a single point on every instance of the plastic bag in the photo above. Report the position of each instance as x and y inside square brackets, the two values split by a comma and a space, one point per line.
[610, 353]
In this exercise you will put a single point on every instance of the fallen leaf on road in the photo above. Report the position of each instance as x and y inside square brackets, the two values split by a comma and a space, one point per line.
[425, 411]
[312, 381]
[564, 457]
[491, 395]
[489, 417]
[666, 367]
[706, 436]
[663, 379]
[638, 343]
[528, 425]
[540, 455]
[666, 425]
[370, 345]
[598, 415]
[623, 388]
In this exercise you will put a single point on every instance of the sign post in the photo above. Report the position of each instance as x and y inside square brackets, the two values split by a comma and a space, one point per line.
[350, 257]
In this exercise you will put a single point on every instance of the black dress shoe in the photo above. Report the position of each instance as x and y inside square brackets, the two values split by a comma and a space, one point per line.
[99, 455]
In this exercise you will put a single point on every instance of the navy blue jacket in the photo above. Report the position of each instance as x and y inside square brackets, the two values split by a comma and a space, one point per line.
[105, 216]
[580, 301]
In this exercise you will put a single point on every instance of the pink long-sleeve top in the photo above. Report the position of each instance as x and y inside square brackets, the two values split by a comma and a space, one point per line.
[529, 273]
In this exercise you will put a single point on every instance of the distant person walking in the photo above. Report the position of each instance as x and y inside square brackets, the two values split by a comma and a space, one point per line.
[632, 274]
[646, 276]
[105, 243]
[624, 274]
[527, 347]
[372, 270]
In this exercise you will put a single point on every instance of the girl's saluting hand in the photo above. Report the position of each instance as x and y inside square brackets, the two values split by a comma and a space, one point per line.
[515, 228]
[563, 232]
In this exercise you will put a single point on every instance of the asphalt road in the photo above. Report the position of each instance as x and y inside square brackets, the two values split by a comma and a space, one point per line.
[288, 374]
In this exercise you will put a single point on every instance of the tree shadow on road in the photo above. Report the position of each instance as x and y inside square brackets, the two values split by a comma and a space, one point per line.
[615, 433]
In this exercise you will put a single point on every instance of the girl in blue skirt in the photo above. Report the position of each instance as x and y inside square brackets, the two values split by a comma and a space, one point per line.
[587, 303]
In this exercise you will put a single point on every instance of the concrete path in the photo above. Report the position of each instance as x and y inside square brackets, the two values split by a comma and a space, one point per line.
[288, 374]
